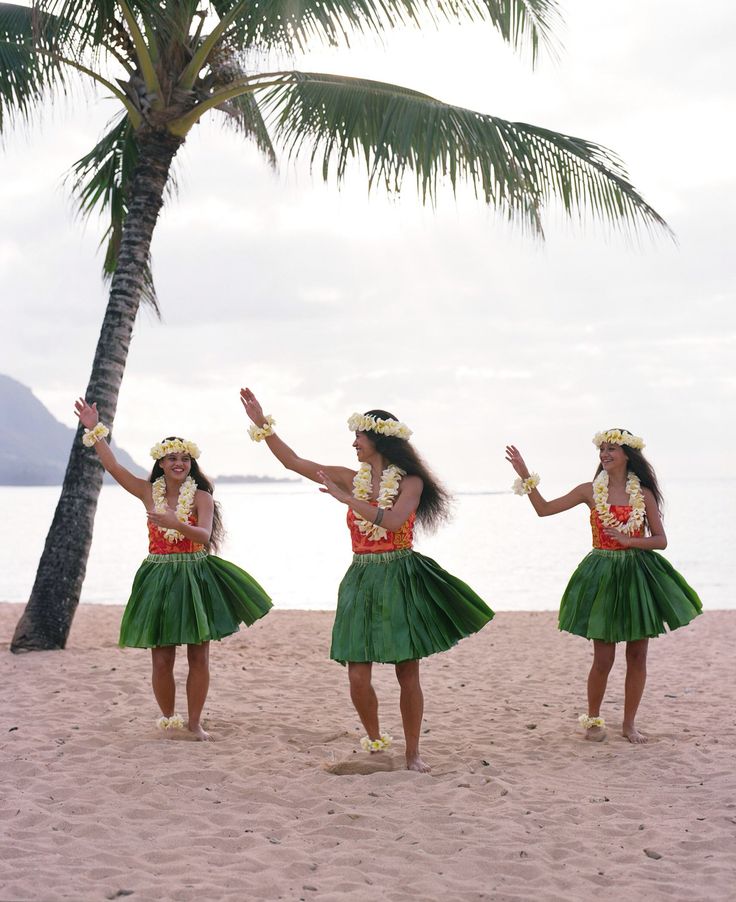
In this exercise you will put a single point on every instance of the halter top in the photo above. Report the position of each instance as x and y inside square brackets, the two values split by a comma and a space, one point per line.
[600, 539]
[393, 541]
[157, 544]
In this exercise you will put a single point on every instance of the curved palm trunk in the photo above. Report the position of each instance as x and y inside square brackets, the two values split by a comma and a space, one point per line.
[47, 618]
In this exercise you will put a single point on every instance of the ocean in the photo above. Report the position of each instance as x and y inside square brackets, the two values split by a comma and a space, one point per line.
[294, 541]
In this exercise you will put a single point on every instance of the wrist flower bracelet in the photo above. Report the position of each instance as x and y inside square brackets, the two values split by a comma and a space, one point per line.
[92, 436]
[258, 433]
[524, 486]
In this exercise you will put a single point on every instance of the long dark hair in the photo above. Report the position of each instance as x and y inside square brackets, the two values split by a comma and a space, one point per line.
[434, 504]
[218, 530]
[638, 464]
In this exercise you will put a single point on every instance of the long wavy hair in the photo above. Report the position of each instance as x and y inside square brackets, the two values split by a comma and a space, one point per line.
[638, 464]
[434, 504]
[218, 530]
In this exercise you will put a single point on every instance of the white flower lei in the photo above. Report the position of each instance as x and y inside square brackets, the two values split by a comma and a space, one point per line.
[184, 504]
[388, 489]
[619, 437]
[359, 422]
[638, 506]
[174, 446]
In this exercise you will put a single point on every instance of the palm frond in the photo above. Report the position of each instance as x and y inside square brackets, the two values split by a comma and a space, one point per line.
[101, 181]
[243, 112]
[291, 24]
[26, 76]
[515, 167]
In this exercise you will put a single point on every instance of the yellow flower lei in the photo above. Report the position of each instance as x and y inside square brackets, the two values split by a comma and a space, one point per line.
[258, 433]
[184, 504]
[94, 435]
[388, 490]
[638, 506]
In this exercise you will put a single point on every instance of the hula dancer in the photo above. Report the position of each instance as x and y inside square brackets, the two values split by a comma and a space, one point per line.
[181, 595]
[394, 606]
[623, 591]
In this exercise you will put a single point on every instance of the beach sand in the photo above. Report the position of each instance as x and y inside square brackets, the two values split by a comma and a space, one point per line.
[97, 805]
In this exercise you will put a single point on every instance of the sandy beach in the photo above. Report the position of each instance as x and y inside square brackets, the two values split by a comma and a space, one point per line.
[97, 805]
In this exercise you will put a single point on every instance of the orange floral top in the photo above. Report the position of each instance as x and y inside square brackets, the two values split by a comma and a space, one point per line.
[157, 544]
[393, 541]
[600, 539]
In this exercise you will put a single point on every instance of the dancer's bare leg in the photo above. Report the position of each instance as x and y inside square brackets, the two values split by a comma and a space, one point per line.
[636, 677]
[364, 697]
[162, 678]
[412, 710]
[198, 683]
[604, 654]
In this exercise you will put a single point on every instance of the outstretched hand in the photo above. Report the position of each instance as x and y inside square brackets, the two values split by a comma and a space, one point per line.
[252, 406]
[332, 488]
[513, 456]
[87, 413]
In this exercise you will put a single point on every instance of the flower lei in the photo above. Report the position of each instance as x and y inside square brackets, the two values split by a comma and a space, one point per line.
[359, 422]
[174, 446]
[525, 486]
[184, 504]
[388, 490]
[258, 433]
[94, 435]
[618, 437]
[638, 506]
[376, 745]
[175, 722]
[586, 721]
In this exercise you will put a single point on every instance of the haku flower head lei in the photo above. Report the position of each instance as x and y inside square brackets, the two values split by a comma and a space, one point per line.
[174, 446]
[184, 504]
[635, 520]
[618, 437]
[388, 489]
[360, 422]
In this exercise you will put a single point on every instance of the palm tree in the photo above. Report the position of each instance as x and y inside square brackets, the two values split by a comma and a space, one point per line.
[167, 64]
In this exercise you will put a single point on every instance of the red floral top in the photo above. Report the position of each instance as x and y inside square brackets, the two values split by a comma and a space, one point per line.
[393, 541]
[600, 539]
[157, 544]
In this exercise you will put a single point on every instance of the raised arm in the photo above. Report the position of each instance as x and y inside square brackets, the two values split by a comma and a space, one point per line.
[89, 418]
[581, 494]
[343, 476]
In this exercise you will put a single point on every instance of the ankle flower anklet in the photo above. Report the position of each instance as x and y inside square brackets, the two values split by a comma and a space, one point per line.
[586, 722]
[376, 745]
[175, 722]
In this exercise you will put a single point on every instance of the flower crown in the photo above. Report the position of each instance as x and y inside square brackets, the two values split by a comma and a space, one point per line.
[174, 446]
[360, 422]
[618, 437]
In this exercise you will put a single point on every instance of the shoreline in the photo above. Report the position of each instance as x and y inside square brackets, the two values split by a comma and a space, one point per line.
[518, 804]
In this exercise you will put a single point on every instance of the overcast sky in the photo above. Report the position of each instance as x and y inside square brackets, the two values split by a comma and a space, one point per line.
[326, 302]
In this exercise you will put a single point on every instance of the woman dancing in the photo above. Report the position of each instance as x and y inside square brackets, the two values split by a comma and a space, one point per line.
[623, 591]
[181, 595]
[394, 605]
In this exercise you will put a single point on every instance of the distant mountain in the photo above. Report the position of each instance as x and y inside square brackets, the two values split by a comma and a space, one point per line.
[34, 446]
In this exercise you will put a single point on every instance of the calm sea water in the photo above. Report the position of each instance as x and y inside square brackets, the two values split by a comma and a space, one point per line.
[295, 542]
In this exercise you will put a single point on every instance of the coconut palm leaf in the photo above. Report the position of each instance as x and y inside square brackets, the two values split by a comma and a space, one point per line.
[516, 167]
[291, 25]
[101, 180]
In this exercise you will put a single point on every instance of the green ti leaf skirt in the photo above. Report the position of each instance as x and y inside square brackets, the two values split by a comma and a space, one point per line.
[622, 596]
[400, 606]
[183, 599]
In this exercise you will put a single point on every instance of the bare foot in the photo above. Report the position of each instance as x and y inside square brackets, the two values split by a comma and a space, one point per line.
[198, 733]
[633, 735]
[414, 762]
[595, 734]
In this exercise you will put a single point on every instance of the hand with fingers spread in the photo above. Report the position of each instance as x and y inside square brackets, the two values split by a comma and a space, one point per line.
[513, 456]
[87, 413]
[330, 487]
[252, 406]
